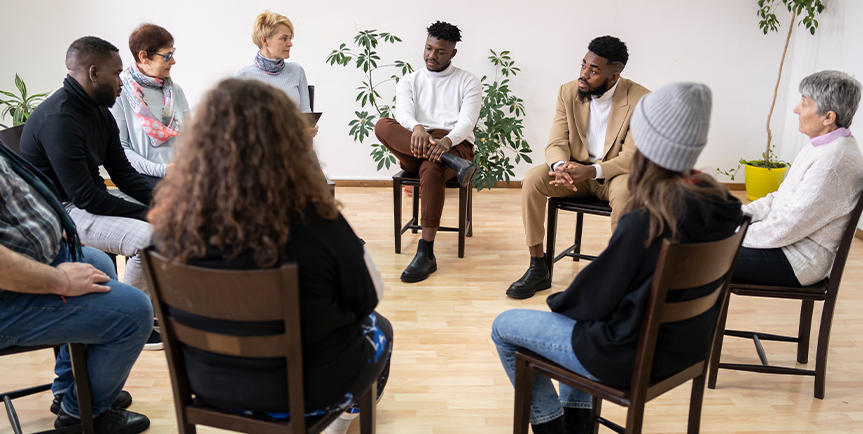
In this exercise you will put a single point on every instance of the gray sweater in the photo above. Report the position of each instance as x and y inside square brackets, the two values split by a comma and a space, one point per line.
[809, 212]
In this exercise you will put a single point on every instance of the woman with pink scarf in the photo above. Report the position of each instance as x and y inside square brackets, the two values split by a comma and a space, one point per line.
[152, 109]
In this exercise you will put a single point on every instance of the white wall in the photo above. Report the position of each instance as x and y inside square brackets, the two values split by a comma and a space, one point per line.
[716, 42]
[836, 45]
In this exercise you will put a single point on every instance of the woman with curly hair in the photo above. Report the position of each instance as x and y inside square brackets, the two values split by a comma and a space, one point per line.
[248, 193]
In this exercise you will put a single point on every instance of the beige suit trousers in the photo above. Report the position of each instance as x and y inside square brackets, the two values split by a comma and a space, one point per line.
[535, 191]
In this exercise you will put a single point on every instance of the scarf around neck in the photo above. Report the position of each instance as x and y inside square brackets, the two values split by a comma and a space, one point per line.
[43, 185]
[269, 66]
[160, 129]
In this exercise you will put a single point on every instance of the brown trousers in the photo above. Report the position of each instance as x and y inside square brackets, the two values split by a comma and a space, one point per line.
[433, 175]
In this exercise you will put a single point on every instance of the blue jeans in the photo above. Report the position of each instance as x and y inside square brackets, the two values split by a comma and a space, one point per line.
[113, 326]
[548, 334]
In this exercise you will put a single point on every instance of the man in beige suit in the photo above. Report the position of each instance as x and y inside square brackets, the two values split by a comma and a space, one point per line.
[588, 154]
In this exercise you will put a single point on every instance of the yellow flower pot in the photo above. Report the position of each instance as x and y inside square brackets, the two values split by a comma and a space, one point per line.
[761, 181]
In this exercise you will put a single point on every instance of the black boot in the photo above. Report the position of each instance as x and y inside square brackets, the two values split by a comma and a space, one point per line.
[424, 263]
[535, 279]
[112, 421]
[577, 421]
[554, 426]
[464, 169]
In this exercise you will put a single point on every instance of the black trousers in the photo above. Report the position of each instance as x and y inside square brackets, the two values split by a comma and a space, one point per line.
[765, 267]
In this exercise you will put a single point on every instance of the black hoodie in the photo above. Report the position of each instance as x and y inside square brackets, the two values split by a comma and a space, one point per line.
[608, 298]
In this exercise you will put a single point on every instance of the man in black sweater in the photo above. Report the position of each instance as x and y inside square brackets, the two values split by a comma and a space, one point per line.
[71, 134]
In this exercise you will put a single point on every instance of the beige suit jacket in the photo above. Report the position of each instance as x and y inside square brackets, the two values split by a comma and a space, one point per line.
[568, 139]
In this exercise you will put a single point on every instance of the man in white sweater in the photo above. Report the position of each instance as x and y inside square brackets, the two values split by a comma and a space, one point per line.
[432, 134]
[797, 229]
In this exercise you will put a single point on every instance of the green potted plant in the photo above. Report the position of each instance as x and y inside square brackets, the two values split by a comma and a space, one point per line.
[20, 106]
[764, 176]
[499, 131]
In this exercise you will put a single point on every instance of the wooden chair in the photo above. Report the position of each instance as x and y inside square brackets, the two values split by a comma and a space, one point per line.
[82, 386]
[465, 209]
[680, 266]
[581, 206]
[255, 295]
[11, 137]
[826, 290]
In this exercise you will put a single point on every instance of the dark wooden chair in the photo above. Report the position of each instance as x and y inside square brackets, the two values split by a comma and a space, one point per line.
[465, 209]
[330, 184]
[581, 206]
[82, 386]
[248, 295]
[11, 137]
[680, 266]
[826, 291]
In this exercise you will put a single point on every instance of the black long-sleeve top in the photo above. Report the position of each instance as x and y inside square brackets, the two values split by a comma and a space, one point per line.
[336, 295]
[608, 298]
[68, 137]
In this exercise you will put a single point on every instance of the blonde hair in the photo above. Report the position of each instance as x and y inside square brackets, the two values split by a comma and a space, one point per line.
[266, 24]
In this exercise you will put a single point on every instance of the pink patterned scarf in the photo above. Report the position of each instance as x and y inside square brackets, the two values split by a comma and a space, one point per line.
[159, 130]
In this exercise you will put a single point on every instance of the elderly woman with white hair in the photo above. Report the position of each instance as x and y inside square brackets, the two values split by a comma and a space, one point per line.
[797, 229]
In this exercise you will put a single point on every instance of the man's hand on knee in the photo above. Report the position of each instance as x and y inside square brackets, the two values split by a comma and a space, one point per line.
[81, 279]
[438, 148]
[419, 142]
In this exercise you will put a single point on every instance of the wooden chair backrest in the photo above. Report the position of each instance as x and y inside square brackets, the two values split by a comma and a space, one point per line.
[844, 248]
[11, 137]
[234, 295]
[683, 266]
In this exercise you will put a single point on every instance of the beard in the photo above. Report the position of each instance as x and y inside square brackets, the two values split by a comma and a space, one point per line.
[105, 95]
[584, 95]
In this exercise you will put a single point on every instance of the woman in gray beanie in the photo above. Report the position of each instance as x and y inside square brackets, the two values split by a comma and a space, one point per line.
[593, 326]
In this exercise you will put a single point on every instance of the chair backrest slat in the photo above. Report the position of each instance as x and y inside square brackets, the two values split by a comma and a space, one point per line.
[231, 345]
[683, 310]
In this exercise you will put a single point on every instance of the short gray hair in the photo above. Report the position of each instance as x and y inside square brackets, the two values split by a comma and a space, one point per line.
[833, 91]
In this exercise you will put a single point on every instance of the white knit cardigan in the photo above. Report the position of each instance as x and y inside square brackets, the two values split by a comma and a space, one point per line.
[809, 212]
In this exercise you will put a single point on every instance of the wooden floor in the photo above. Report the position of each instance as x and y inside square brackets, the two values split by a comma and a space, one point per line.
[446, 376]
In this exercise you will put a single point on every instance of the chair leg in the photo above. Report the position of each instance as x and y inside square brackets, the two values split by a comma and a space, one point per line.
[595, 412]
[579, 225]
[804, 331]
[823, 345]
[368, 415]
[715, 353]
[634, 418]
[82, 386]
[523, 394]
[695, 403]
[470, 212]
[397, 214]
[462, 219]
[550, 238]
[416, 208]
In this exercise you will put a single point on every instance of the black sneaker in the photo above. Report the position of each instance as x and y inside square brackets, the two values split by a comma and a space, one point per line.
[112, 421]
[124, 400]
[154, 342]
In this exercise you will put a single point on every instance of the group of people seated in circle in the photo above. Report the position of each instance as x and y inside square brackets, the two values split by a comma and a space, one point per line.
[196, 203]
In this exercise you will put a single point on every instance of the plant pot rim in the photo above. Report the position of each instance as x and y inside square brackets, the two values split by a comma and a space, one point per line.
[781, 166]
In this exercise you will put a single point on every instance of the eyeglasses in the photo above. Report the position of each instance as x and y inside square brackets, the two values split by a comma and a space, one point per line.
[167, 57]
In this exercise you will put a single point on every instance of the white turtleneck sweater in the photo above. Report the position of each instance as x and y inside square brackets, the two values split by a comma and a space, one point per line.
[809, 212]
[446, 100]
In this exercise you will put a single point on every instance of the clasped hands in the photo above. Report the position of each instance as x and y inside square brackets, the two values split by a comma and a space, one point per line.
[571, 173]
[423, 145]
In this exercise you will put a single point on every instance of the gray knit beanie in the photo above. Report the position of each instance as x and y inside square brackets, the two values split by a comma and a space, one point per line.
[670, 125]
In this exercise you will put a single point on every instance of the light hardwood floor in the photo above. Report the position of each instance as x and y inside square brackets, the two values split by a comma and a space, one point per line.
[446, 376]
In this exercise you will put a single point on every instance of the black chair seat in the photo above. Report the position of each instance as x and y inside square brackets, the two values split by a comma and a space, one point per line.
[465, 210]
[581, 206]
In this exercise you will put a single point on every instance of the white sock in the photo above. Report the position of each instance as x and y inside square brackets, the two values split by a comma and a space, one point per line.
[341, 425]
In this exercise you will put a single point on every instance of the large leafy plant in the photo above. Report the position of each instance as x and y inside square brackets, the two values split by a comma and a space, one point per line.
[500, 126]
[367, 59]
[20, 106]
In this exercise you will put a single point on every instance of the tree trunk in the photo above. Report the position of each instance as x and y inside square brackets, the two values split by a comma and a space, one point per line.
[776, 90]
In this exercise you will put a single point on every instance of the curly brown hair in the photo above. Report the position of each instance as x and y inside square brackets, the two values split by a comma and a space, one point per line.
[243, 170]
